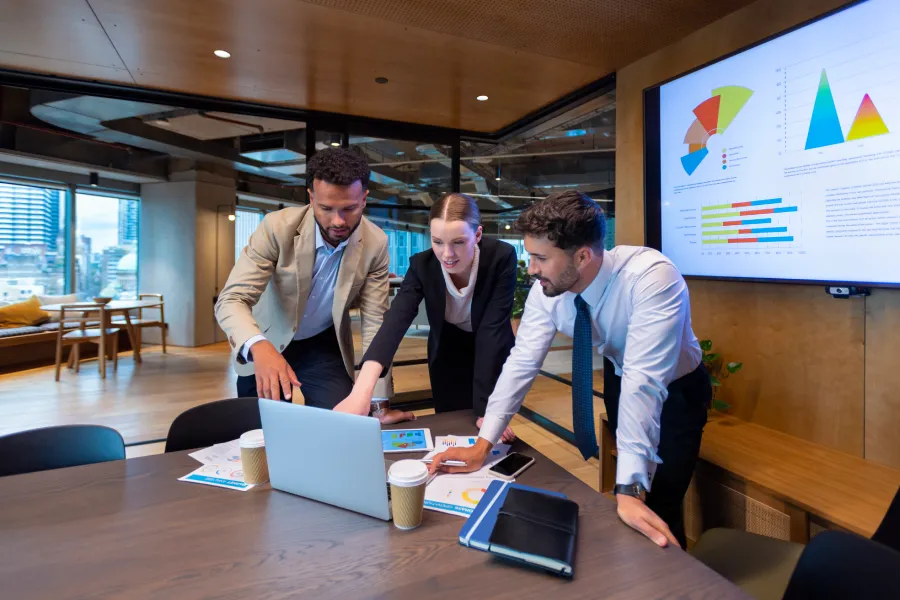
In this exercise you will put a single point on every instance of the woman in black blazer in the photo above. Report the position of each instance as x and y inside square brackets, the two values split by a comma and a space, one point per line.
[467, 281]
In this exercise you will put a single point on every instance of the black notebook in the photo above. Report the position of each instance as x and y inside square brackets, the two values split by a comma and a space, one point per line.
[537, 529]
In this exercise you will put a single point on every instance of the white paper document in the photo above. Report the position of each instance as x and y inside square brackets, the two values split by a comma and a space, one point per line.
[221, 467]
[455, 495]
[228, 452]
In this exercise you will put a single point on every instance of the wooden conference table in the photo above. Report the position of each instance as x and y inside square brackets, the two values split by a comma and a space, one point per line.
[128, 529]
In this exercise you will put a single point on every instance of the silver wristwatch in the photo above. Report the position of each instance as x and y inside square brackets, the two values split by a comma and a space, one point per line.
[379, 406]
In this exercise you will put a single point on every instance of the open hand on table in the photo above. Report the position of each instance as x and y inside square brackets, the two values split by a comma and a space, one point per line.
[394, 415]
[508, 436]
[637, 515]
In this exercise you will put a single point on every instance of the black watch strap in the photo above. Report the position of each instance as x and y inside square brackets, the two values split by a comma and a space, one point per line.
[630, 489]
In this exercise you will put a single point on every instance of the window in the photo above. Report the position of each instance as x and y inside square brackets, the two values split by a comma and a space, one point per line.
[519, 245]
[402, 245]
[246, 222]
[32, 242]
[106, 246]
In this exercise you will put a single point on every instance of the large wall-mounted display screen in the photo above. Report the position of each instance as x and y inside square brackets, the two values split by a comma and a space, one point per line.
[782, 162]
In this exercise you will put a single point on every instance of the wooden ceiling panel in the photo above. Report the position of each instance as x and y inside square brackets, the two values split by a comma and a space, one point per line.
[325, 54]
[57, 36]
[299, 54]
[608, 34]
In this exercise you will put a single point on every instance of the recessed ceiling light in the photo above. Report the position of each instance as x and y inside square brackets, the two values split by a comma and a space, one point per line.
[222, 53]
[507, 226]
[335, 144]
[498, 179]
[381, 80]
[481, 98]
[232, 217]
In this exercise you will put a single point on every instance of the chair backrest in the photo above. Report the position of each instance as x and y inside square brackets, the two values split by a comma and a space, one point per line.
[144, 296]
[213, 423]
[59, 447]
[888, 532]
[842, 565]
[79, 315]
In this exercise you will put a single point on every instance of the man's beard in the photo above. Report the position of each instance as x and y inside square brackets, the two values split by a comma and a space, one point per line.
[567, 279]
[336, 240]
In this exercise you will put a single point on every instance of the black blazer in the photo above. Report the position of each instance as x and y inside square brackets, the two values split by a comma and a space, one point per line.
[491, 313]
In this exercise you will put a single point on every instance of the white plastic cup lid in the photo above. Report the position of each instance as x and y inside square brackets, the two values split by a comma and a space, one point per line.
[408, 473]
[253, 439]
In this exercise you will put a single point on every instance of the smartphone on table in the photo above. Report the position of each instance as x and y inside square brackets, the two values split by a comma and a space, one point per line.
[511, 466]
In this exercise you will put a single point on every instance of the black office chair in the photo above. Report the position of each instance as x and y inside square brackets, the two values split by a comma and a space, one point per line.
[841, 565]
[58, 447]
[763, 566]
[888, 533]
[213, 423]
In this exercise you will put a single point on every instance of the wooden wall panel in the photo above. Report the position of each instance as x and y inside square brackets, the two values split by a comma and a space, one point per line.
[803, 351]
[882, 407]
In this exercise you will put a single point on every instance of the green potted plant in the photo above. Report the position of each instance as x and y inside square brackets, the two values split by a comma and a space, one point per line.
[719, 371]
[523, 285]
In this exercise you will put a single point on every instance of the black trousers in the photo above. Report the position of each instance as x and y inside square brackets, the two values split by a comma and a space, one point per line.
[453, 370]
[318, 364]
[681, 429]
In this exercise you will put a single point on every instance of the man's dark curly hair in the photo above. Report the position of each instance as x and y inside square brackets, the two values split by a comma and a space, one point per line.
[571, 220]
[338, 166]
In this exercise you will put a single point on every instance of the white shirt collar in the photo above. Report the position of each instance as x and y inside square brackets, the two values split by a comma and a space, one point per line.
[594, 291]
[321, 242]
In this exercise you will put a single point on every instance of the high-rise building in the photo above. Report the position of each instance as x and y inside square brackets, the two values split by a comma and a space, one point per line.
[31, 244]
[29, 216]
[128, 222]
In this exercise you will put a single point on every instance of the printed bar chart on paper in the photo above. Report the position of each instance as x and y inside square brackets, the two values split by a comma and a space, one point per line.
[725, 222]
[713, 116]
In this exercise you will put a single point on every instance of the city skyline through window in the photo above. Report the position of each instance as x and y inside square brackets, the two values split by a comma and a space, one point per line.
[106, 247]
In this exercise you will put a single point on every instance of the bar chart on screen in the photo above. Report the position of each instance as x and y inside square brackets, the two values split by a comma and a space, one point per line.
[757, 226]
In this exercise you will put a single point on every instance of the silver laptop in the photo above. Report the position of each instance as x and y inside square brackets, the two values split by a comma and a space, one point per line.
[331, 457]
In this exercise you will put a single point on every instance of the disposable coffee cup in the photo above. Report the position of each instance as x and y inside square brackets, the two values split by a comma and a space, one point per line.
[408, 479]
[253, 457]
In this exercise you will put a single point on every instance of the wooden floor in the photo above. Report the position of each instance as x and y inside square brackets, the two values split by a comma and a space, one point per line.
[141, 401]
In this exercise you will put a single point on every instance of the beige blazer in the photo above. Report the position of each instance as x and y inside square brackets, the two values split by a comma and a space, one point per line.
[267, 290]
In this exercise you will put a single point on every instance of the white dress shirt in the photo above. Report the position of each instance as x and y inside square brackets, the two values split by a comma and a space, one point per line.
[458, 310]
[317, 317]
[640, 313]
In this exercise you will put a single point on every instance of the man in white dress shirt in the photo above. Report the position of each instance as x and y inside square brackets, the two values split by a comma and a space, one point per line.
[630, 304]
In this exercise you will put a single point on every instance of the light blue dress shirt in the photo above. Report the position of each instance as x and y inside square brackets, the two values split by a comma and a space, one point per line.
[641, 321]
[317, 316]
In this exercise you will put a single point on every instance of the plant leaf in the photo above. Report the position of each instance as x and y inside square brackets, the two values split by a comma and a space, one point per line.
[706, 345]
[714, 380]
[713, 357]
[734, 367]
[721, 406]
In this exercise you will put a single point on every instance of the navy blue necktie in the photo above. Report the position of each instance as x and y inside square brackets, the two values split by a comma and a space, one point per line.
[583, 382]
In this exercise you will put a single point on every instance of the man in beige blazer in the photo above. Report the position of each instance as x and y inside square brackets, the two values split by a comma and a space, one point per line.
[285, 305]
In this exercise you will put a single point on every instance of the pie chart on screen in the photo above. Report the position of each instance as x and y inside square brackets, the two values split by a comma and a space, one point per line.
[713, 116]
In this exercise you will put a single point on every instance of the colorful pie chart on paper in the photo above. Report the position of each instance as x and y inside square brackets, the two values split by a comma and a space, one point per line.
[713, 116]
[473, 495]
